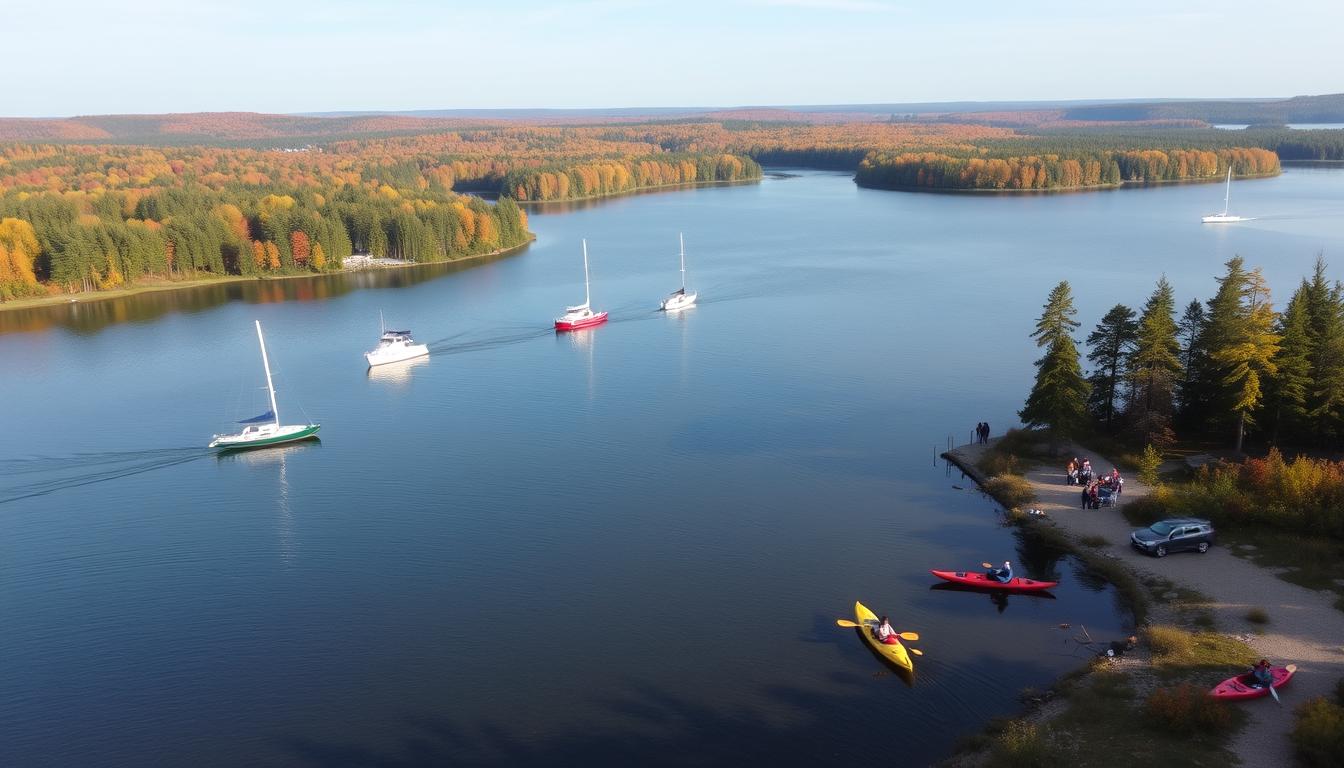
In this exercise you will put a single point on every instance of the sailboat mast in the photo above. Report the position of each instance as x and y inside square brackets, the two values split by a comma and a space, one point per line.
[682, 240]
[1227, 196]
[586, 299]
[267, 365]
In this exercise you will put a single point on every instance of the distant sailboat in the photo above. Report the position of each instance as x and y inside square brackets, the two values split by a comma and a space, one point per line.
[1224, 217]
[264, 430]
[583, 315]
[680, 299]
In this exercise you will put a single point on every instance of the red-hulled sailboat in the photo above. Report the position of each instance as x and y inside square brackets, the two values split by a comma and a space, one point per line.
[583, 315]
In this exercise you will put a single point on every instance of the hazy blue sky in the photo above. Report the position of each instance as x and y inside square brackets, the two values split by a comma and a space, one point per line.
[68, 57]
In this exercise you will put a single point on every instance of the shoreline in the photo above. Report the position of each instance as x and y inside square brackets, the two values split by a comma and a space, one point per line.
[199, 282]
[1065, 190]
[1303, 627]
[639, 190]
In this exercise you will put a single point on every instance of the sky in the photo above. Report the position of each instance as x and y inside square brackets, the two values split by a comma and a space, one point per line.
[81, 57]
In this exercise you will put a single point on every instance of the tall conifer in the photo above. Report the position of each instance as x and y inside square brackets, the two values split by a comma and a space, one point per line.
[1058, 399]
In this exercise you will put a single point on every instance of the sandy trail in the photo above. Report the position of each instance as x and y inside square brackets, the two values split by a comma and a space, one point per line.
[1304, 627]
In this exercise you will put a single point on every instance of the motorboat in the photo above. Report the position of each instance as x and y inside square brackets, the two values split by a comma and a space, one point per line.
[394, 347]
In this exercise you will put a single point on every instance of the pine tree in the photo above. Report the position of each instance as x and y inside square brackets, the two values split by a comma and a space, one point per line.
[1325, 321]
[1286, 392]
[1112, 343]
[1058, 399]
[1155, 367]
[1192, 392]
[1242, 342]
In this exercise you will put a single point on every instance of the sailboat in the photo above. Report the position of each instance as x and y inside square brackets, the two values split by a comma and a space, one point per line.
[394, 346]
[264, 430]
[583, 315]
[680, 299]
[1224, 218]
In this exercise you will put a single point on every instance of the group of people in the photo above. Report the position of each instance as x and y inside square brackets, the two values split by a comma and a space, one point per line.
[982, 433]
[1096, 490]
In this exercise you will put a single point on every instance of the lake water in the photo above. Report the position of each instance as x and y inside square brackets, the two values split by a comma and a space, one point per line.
[625, 545]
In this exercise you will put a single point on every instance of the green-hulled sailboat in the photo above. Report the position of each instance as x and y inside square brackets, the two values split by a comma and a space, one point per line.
[261, 431]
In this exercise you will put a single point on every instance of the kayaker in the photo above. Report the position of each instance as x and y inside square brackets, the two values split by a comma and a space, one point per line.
[1002, 575]
[884, 632]
[1260, 674]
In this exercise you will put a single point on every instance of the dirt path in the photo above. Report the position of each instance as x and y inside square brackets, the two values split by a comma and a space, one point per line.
[1304, 628]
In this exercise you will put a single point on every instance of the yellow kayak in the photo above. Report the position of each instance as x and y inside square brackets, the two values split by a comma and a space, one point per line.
[895, 653]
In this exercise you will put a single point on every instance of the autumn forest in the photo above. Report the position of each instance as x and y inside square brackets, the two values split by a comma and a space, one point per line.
[255, 195]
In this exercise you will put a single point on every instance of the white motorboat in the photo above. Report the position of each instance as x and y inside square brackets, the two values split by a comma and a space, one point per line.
[394, 347]
[1224, 217]
[680, 299]
[266, 429]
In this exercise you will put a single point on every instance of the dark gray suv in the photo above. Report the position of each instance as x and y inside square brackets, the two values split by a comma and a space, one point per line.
[1178, 534]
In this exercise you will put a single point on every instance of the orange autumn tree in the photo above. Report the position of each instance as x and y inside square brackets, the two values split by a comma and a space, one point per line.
[300, 247]
[18, 250]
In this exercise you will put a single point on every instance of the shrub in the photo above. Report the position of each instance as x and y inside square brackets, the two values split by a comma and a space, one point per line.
[994, 463]
[1021, 745]
[1170, 641]
[1187, 709]
[1318, 734]
[1011, 490]
[1148, 465]
[1257, 616]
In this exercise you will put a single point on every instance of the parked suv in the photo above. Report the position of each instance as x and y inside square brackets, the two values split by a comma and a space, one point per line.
[1174, 535]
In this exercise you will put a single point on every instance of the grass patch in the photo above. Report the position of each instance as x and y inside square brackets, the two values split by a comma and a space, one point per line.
[1022, 745]
[1012, 491]
[1257, 616]
[1094, 541]
[1179, 652]
[1318, 733]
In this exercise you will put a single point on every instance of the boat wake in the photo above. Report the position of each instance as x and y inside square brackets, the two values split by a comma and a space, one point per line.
[41, 475]
[464, 342]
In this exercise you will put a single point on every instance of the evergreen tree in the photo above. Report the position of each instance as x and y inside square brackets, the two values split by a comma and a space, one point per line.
[1058, 399]
[1112, 343]
[1193, 391]
[1155, 367]
[1241, 342]
[1325, 320]
[1286, 392]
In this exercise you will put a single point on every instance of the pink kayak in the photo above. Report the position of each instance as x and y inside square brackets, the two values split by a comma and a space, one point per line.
[974, 579]
[1235, 688]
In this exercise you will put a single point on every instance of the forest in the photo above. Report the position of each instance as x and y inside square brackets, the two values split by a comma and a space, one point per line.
[245, 194]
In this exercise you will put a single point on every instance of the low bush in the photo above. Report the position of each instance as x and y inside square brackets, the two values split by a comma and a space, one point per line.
[1318, 734]
[1021, 745]
[993, 464]
[1010, 490]
[1257, 616]
[1187, 709]
[1170, 642]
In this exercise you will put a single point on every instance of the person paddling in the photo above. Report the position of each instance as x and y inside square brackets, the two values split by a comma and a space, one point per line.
[884, 633]
[1002, 575]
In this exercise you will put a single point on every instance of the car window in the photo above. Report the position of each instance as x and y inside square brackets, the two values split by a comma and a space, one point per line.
[1161, 529]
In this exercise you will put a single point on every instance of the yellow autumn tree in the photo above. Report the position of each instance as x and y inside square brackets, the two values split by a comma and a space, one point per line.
[319, 256]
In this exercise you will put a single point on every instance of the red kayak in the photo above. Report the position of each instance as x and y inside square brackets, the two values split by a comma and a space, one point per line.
[973, 579]
[1236, 689]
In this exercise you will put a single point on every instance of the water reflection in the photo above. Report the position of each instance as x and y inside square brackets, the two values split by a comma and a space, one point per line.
[582, 341]
[397, 374]
[91, 314]
[997, 597]
[906, 676]
[276, 456]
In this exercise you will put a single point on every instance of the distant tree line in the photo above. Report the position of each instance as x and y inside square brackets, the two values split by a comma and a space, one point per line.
[935, 170]
[609, 177]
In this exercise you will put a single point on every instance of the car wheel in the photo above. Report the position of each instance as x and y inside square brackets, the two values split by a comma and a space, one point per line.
[1161, 550]
[1203, 547]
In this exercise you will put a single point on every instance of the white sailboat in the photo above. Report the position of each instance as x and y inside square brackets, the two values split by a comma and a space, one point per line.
[680, 299]
[394, 346]
[1224, 217]
[264, 430]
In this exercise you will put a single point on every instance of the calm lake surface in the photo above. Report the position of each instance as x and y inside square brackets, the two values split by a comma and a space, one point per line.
[626, 545]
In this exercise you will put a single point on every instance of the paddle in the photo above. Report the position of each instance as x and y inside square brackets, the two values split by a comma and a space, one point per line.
[1275, 694]
[847, 624]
